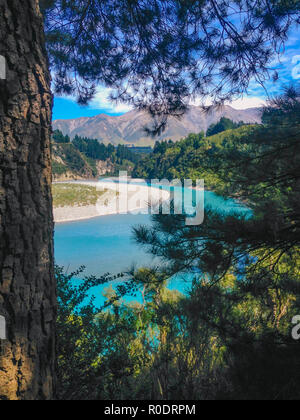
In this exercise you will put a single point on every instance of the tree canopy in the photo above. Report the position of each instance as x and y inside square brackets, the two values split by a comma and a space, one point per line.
[248, 283]
[58, 137]
[234, 326]
[223, 125]
[229, 335]
[158, 55]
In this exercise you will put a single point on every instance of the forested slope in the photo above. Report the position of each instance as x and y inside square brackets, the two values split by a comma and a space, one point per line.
[189, 158]
[85, 158]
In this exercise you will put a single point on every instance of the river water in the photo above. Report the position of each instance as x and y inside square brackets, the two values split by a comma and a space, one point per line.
[105, 244]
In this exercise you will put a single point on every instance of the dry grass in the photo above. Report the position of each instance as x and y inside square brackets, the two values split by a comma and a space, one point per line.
[71, 195]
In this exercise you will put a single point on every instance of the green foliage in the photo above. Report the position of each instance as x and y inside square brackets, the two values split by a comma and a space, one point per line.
[223, 125]
[58, 137]
[93, 149]
[190, 157]
[249, 291]
[93, 165]
[73, 158]
[79, 338]
[158, 54]
[58, 168]
[81, 155]
[230, 336]
[125, 153]
[122, 157]
[150, 350]
[66, 158]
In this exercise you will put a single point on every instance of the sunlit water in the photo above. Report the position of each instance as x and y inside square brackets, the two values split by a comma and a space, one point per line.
[106, 245]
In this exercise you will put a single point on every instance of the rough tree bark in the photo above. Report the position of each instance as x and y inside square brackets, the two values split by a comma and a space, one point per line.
[27, 288]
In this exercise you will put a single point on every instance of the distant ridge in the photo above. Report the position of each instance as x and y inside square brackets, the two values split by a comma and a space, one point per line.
[129, 128]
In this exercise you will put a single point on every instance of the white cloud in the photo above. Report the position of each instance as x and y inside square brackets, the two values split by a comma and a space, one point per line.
[296, 68]
[101, 101]
[248, 102]
[242, 103]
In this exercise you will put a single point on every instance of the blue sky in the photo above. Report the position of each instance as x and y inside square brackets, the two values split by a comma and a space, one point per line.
[288, 68]
[67, 109]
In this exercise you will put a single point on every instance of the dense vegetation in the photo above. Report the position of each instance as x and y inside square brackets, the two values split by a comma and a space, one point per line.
[223, 125]
[169, 160]
[250, 291]
[66, 159]
[158, 55]
[150, 350]
[190, 157]
[230, 336]
[93, 149]
[58, 137]
[80, 156]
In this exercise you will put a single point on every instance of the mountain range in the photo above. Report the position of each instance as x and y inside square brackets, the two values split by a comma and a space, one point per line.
[130, 127]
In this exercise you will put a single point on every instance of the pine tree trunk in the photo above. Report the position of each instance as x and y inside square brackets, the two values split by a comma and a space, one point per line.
[27, 287]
